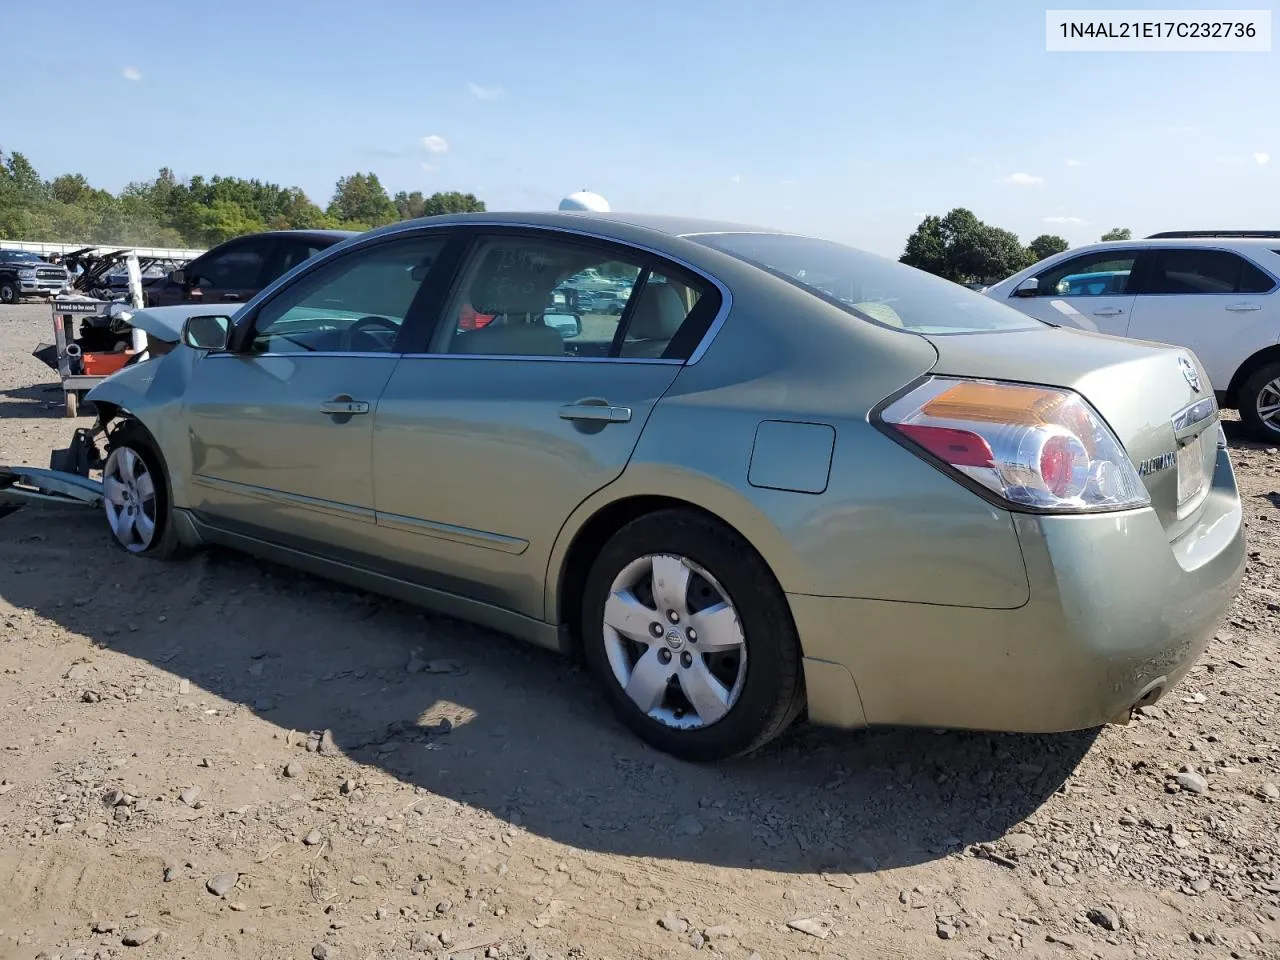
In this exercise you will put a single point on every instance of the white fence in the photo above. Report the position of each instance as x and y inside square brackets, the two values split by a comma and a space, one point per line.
[157, 253]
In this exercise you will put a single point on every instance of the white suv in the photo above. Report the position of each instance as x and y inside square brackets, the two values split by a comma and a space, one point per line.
[1217, 294]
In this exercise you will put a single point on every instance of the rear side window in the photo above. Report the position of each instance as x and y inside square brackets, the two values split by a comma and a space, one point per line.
[1191, 271]
[870, 287]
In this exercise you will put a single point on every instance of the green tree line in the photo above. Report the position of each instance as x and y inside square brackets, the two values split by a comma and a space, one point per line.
[960, 247]
[199, 212]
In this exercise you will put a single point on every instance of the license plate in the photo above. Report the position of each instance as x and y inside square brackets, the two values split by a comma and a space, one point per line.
[1192, 477]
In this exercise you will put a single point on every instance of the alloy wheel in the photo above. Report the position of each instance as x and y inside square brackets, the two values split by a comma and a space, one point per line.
[129, 498]
[674, 641]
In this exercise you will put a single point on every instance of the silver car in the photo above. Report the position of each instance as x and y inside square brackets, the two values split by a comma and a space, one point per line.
[788, 478]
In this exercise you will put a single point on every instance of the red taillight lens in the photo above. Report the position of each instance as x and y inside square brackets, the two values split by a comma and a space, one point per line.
[1040, 447]
[960, 448]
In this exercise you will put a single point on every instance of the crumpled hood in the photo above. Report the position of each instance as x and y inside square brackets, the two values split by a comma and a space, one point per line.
[165, 323]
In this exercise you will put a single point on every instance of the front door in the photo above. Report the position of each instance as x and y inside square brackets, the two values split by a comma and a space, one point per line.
[281, 430]
[1215, 302]
[485, 444]
[1092, 291]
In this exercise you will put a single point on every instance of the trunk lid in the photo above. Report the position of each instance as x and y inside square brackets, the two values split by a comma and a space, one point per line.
[1156, 398]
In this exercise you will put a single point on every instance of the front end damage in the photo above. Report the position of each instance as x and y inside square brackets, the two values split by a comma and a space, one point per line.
[69, 480]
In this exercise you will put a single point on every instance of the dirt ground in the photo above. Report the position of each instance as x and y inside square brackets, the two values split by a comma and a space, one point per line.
[166, 779]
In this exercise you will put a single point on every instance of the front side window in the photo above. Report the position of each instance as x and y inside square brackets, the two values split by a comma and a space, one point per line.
[1191, 271]
[1104, 273]
[356, 304]
[535, 297]
[236, 269]
[871, 288]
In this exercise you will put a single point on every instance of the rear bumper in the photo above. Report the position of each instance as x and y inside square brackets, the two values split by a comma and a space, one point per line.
[1116, 614]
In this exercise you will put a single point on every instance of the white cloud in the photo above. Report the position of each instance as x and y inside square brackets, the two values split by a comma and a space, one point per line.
[435, 144]
[1064, 220]
[1023, 180]
[788, 183]
[131, 73]
[736, 178]
[1072, 162]
[484, 93]
[919, 216]
[1262, 159]
[430, 167]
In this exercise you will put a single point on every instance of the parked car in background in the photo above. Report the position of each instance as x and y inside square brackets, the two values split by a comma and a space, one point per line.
[789, 477]
[1217, 295]
[234, 271]
[24, 274]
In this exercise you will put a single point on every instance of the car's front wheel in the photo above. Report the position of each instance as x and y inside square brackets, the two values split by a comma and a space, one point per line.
[8, 292]
[690, 635]
[1259, 403]
[135, 495]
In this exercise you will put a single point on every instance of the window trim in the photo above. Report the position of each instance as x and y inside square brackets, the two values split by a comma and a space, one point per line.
[1155, 251]
[648, 259]
[245, 327]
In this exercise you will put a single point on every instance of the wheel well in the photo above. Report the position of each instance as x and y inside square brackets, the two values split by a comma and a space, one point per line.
[1248, 369]
[589, 541]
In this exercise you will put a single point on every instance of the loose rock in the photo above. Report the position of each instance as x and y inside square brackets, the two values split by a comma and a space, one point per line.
[139, 936]
[222, 884]
[1104, 917]
[293, 769]
[1192, 782]
[811, 926]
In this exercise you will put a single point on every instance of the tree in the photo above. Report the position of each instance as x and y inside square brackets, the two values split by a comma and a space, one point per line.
[962, 248]
[361, 199]
[197, 212]
[1118, 233]
[452, 202]
[1045, 245]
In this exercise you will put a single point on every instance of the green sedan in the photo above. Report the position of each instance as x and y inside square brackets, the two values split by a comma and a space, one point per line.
[787, 478]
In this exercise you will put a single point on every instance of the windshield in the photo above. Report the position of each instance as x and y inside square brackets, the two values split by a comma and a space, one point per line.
[871, 287]
[13, 255]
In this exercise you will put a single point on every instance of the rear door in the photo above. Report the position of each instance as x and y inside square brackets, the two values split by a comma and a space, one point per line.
[1092, 291]
[487, 438]
[1213, 301]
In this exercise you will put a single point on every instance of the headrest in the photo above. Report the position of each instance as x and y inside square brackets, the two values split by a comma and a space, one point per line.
[658, 313]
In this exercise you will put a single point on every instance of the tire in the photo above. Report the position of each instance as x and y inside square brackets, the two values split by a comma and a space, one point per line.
[131, 451]
[763, 695]
[9, 294]
[1255, 392]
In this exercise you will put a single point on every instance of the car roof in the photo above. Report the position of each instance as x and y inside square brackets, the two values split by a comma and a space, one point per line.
[1202, 241]
[619, 225]
[309, 234]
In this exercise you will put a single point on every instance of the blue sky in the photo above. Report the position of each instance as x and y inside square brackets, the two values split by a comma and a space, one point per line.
[847, 119]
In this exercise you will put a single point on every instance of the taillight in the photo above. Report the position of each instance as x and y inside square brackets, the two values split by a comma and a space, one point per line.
[1039, 447]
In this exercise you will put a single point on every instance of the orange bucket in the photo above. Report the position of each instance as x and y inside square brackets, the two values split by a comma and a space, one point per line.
[102, 364]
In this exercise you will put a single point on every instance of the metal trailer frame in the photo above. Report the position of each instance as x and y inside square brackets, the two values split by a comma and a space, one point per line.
[64, 313]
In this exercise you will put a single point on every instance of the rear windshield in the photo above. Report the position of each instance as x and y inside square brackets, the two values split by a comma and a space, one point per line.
[870, 287]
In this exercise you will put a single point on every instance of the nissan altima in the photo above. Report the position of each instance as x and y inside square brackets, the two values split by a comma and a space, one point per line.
[787, 478]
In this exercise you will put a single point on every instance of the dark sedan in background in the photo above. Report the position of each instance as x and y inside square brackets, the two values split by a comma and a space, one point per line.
[234, 272]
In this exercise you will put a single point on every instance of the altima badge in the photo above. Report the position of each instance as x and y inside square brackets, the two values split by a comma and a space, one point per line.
[1189, 371]
[1163, 462]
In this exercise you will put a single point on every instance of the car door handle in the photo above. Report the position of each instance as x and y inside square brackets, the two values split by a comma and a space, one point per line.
[1108, 312]
[231, 296]
[1243, 307]
[344, 405]
[600, 412]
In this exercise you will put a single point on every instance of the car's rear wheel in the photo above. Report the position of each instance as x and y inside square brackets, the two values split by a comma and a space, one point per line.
[689, 634]
[1259, 403]
[135, 495]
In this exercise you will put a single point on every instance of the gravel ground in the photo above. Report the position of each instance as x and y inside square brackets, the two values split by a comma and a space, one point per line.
[222, 758]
